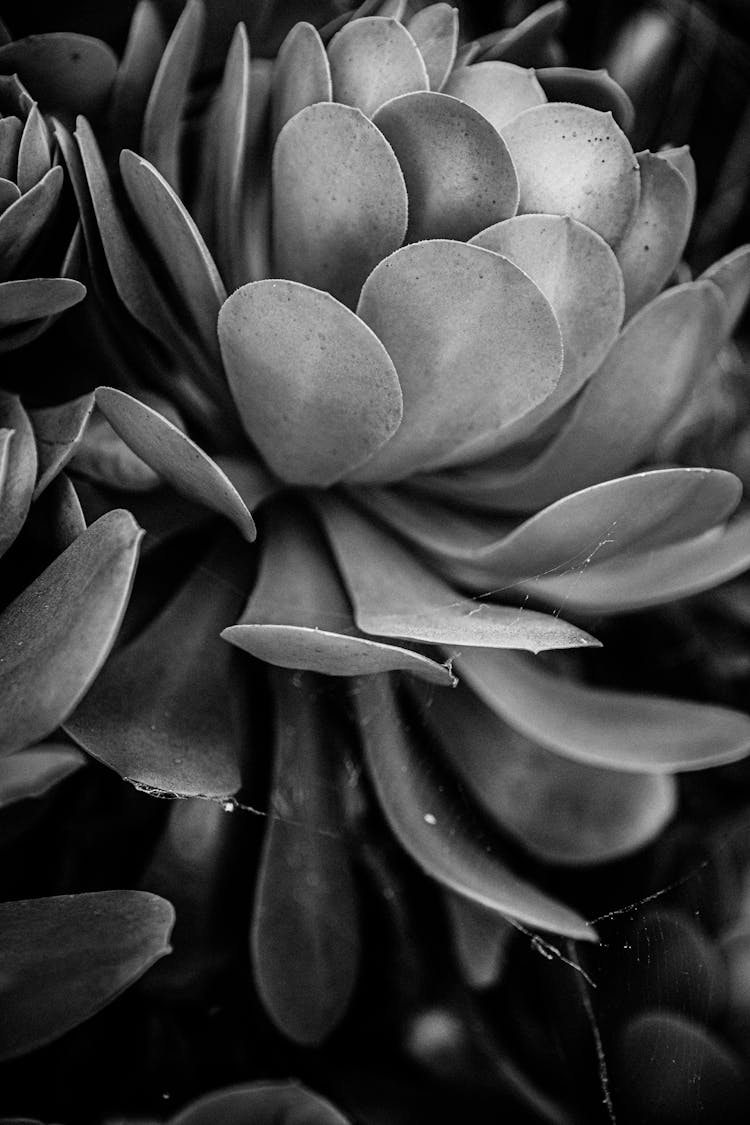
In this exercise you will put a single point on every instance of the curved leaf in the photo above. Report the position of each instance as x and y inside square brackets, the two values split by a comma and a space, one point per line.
[316, 390]
[172, 454]
[73, 73]
[524, 43]
[732, 275]
[298, 615]
[611, 729]
[57, 633]
[497, 90]
[475, 344]
[187, 734]
[433, 830]
[65, 958]
[19, 467]
[264, 1103]
[33, 298]
[136, 74]
[301, 76]
[233, 144]
[653, 244]
[593, 88]
[394, 595]
[305, 934]
[562, 811]
[572, 160]
[23, 221]
[435, 31]
[458, 172]
[32, 773]
[373, 60]
[58, 431]
[339, 199]
[34, 156]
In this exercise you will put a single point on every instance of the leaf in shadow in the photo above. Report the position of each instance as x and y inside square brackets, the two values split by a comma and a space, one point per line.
[263, 1103]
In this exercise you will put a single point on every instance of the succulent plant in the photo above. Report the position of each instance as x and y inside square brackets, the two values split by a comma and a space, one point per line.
[419, 311]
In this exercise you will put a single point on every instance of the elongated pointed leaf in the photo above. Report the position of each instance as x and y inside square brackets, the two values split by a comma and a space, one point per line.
[579, 275]
[172, 454]
[232, 110]
[498, 90]
[33, 772]
[298, 615]
[640, 512]
[167, 103]
[9, 193]
[65, 958]
[593, 88]
[435, 31]
[11, 128]
[34, 157]
[560, 810]
[316, 390]
[489, 350]
[653, 244]
[647, 375]
[305, 938]
[72, 73]
[572, 160]
[56, 634]
[263, 1103]
[179, 244]
[611, 729]
[301, 76]
[458, 171]
[430, 827]
[136, 74]
[638, 581]
[394, 595]
[187, 733]
[19, 462]
[24, 220]
[339, 199]
[58, 431]
[732, 274]
[33, 298]
[373, 60]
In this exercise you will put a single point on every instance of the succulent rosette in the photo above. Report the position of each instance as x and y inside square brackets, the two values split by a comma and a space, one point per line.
[415, 305]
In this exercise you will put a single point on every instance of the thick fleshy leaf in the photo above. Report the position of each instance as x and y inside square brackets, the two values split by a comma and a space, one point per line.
[637, 581]
[167, 103]
[373, 60]
[174, 456]
[62, 513]
[395, 595]
[525, 43]
[480, 939]
[187, 735]
[103, 457]
[57, 633]
[458, 172]
[315, 388]
[178, 242]
[9, 193]
[263, 1103]
[71, 73]
[11, 128]
[650, 370]
[339, 199]
[434, 830]
[670, 1069]
[19, 461]
[435, 31]
[32, 773]
[58, 431]
[475, 344]
[136, 74]
[615, 730]
[640, 512]
[298, 615]
[366, 8]
[653, 244]
[732, 274]
[301, 76]
[572, 160]
[23, 221]
[593, 88]
[232, 125]
[33, 298]
[65, 958]
[34, 157]
[579, 275]
[254, 482]
[560, 810]
[305, 934]
[498, 90]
